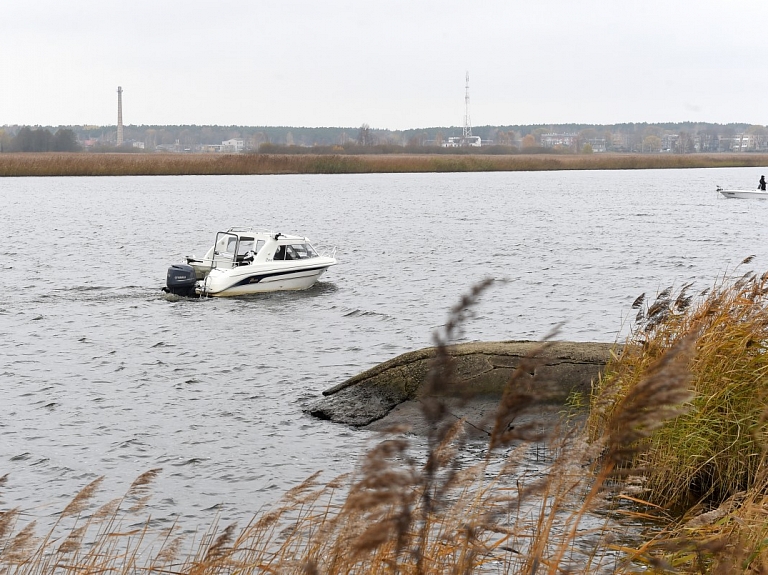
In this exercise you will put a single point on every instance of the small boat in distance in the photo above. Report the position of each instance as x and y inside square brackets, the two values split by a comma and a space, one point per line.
[247, 261]
[743, 194]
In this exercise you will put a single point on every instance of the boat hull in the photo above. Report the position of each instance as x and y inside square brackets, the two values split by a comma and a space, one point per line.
[744, 194]
[251, 280]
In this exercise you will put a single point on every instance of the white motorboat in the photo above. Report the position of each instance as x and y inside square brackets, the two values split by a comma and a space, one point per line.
[247, 261]
[744, 194]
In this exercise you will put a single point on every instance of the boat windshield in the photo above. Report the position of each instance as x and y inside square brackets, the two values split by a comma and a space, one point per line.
[294, 252]
[246, 245]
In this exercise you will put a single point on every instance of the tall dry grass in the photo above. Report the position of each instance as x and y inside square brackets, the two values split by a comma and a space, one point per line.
[717, 448]
[84, 164]
[707, 466]
[406, 509]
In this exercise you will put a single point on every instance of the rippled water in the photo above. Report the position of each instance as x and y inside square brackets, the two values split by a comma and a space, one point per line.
[102, 374]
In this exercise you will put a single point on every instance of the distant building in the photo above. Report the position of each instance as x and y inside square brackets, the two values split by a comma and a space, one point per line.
[461, 141]
[669, 142]
[744, 143]
[235, 145]
[597, 144]
[620, 142]
[559, 140]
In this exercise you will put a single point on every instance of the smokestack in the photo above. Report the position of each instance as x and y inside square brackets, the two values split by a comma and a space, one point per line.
[119, 116]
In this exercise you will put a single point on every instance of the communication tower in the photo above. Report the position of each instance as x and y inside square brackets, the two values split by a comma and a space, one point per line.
[466, 139]
[120, 115]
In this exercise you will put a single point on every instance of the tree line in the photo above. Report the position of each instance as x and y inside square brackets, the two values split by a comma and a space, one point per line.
[681, 137]
[39, 140]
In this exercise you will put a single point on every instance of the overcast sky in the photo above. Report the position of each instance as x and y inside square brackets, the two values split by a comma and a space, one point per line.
[391, 64]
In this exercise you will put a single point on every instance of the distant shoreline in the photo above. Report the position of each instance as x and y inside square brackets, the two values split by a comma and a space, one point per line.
[140, 164]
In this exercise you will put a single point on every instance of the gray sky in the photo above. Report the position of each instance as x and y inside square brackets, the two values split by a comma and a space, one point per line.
[391, 64]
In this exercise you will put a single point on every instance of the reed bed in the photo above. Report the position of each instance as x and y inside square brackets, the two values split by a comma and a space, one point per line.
[717, 448]
[404, 510]
[706, 468]
[141, 164]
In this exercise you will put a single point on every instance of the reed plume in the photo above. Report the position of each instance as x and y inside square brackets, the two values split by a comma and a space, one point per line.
[80, 500]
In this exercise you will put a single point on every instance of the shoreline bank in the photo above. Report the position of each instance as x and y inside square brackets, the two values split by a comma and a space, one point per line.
[141, 164]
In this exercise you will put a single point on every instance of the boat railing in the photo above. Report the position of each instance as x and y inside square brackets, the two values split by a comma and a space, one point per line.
[249, 229]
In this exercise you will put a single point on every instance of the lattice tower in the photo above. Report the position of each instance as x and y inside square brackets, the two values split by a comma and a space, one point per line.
[467, 122]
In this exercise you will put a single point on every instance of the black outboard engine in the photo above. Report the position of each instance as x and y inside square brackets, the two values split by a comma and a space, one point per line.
[181, 280]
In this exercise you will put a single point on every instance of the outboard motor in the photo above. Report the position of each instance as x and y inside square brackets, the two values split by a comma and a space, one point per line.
[181, 280]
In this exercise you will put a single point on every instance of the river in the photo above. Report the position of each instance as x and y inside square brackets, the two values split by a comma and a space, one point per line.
[103, 374]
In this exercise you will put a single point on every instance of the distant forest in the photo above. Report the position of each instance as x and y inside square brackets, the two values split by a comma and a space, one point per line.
[681, 137]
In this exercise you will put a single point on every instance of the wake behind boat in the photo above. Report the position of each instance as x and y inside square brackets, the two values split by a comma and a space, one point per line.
[246, 261]
[743, 194]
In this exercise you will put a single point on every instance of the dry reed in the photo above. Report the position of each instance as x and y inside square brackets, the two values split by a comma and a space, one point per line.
[706, 466]
[84, 164]
[717, 448]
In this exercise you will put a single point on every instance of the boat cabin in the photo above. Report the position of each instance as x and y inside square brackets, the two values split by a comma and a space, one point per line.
[235, 248]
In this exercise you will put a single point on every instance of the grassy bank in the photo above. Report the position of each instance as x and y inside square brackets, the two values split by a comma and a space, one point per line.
[82, 164]
[676, 433]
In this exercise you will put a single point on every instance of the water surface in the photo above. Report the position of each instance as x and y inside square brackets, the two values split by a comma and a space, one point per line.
[102, 374]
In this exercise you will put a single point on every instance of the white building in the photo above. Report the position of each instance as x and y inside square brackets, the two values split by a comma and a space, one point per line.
[461, 141]
[553, 140]
[236, 145]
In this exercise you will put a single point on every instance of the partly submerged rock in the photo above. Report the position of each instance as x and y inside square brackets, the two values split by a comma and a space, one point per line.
[482, 369]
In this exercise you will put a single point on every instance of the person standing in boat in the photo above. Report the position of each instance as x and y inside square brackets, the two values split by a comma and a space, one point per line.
[761, 185]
